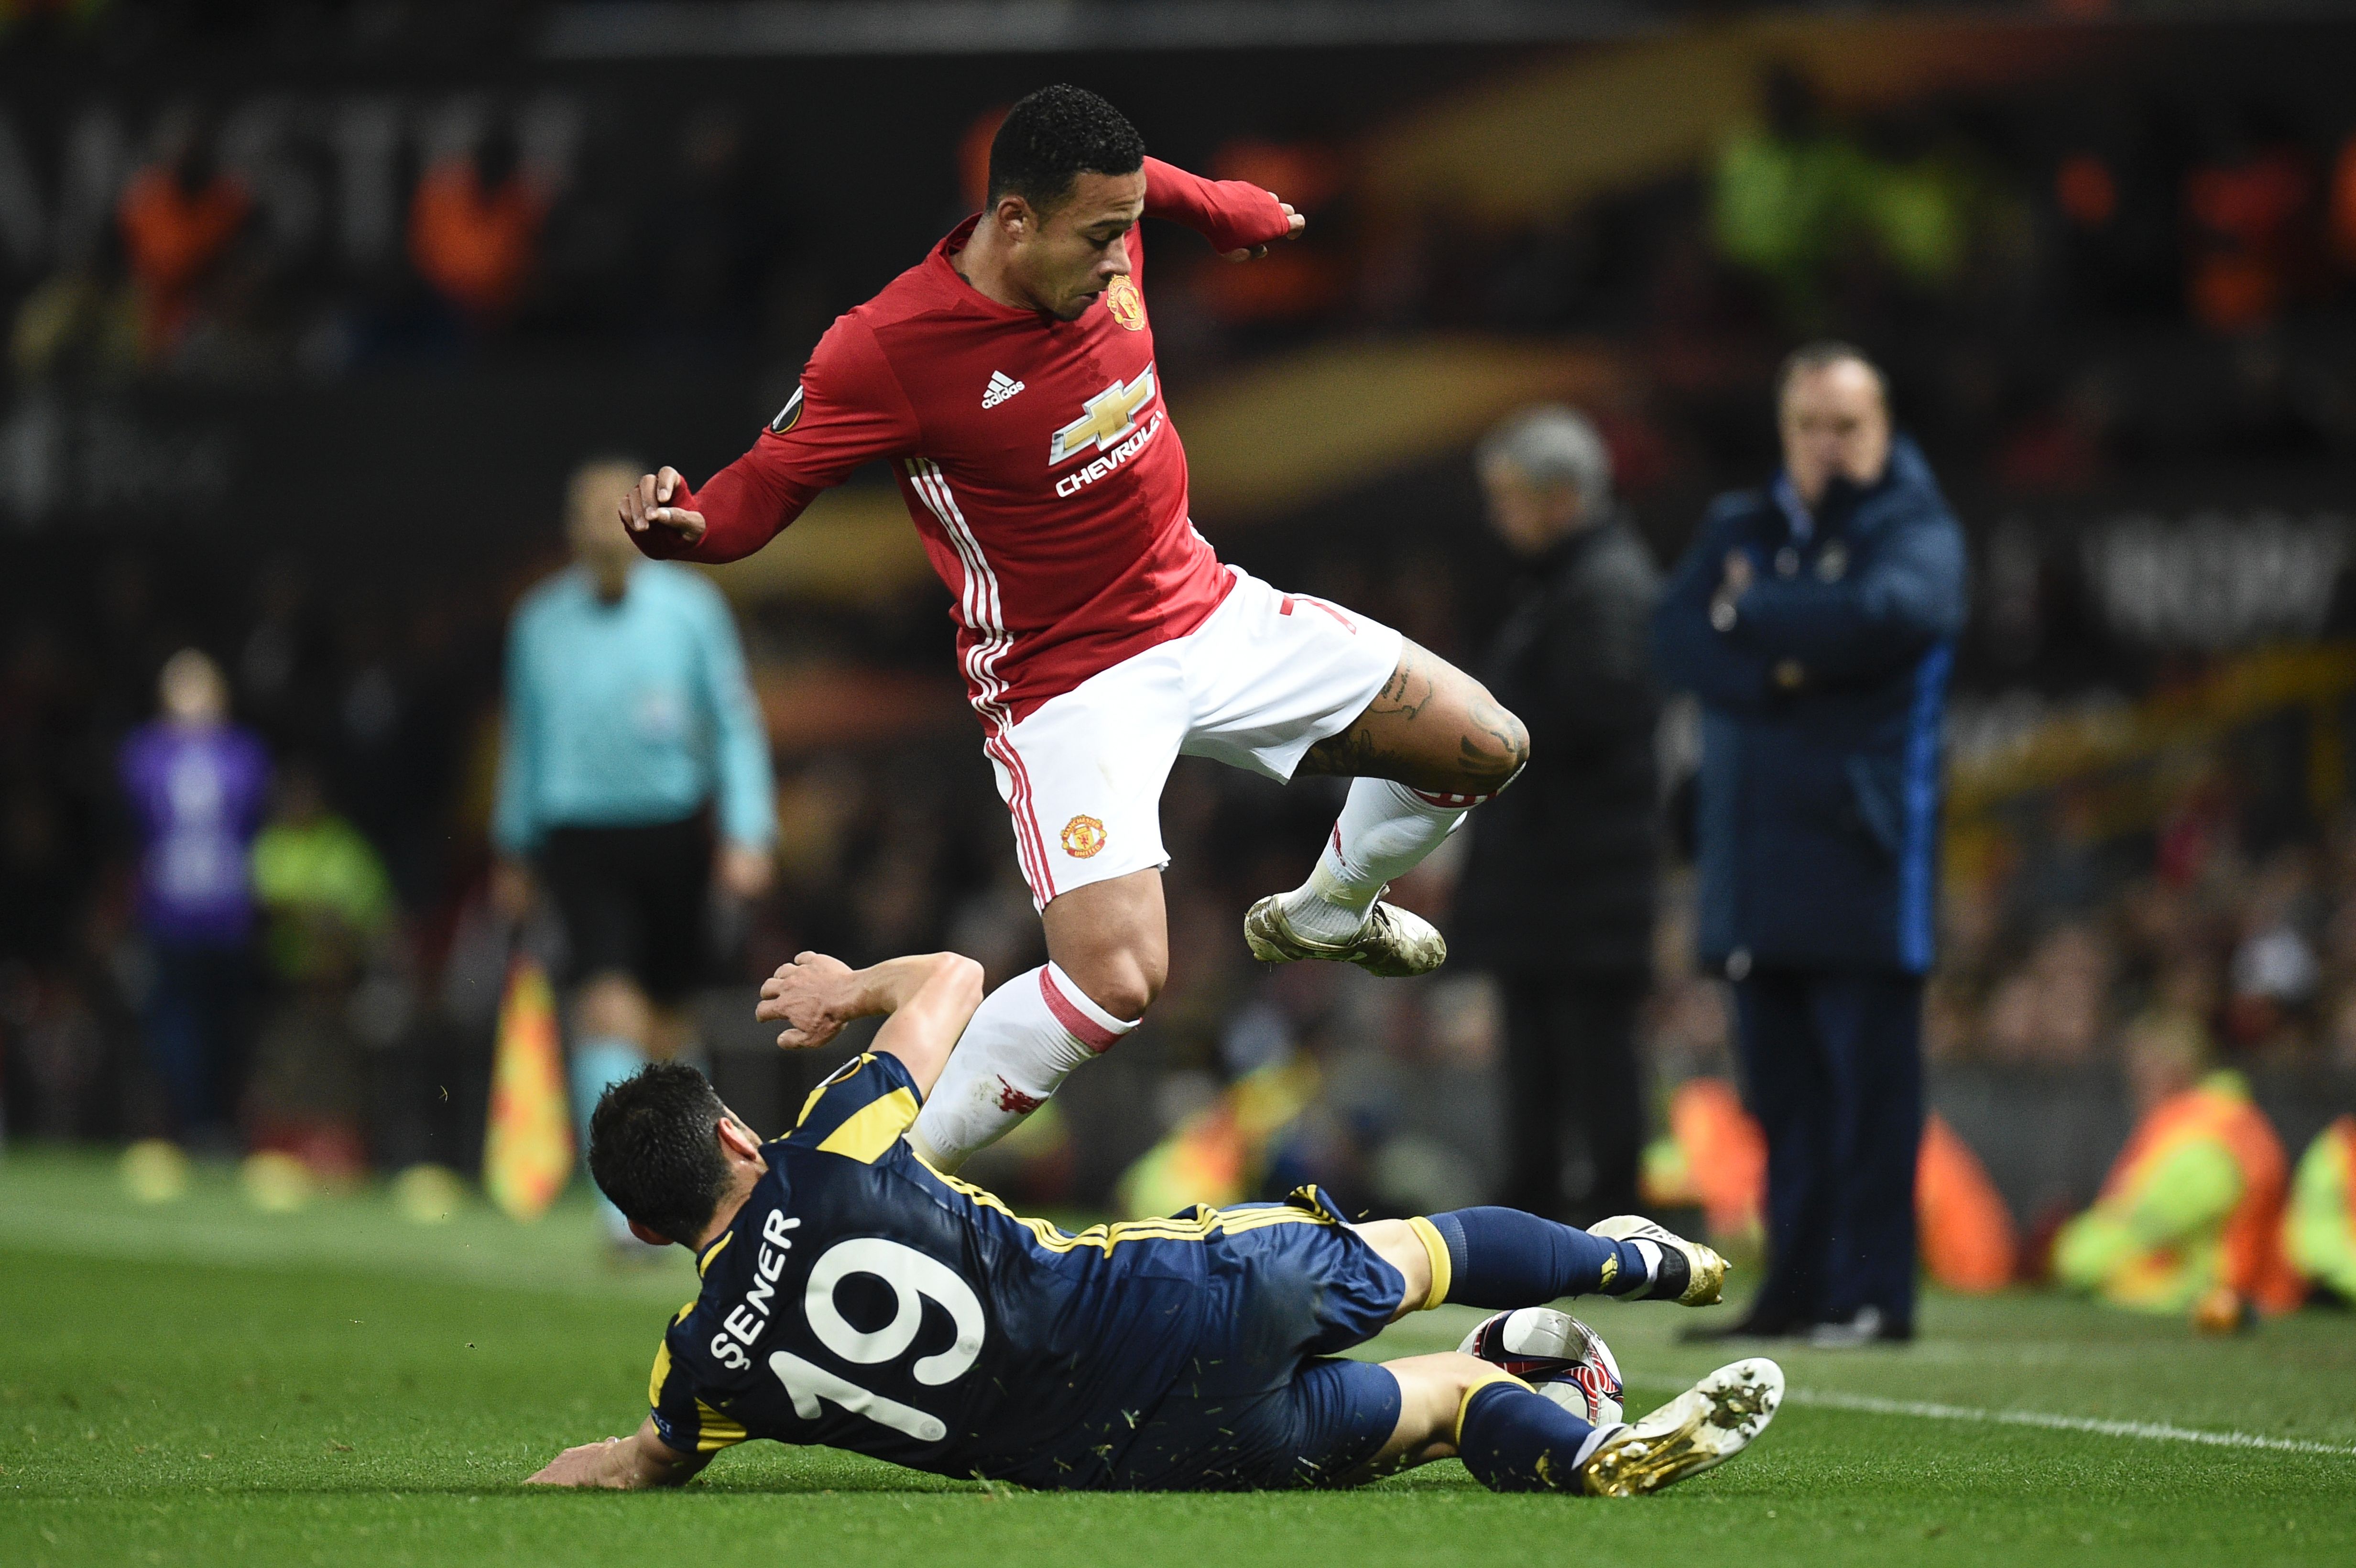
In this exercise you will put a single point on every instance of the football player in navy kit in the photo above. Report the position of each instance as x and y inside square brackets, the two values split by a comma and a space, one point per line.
[855, 1297]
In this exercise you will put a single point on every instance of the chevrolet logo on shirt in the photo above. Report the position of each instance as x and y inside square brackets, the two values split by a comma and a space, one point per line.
[1111, 414]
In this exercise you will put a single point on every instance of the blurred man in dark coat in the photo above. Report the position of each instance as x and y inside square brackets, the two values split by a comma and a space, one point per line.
[1557, 899]
[1817, 621]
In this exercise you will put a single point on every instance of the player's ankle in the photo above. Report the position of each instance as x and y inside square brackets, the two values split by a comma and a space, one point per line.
[1320, 917]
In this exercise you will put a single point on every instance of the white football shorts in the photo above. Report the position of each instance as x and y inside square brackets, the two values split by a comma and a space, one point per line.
[1265, 677]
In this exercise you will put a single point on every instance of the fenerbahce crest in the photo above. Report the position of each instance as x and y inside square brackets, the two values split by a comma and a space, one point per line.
[1127, 306]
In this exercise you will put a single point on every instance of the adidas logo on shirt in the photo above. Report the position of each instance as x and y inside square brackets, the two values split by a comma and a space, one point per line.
[1001, 387]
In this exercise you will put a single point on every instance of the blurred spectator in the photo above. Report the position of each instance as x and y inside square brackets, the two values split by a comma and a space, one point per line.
[710, 241]
[2320, 1227]
[196, 784]
[1795, 201]
[1816, 622]
[2194, 1203]
[2056, 1010]
[2245, 247]
[629, 719]
[321, 885]
[473, 230]
[2341, 215]
[328, 908]
[178, 216]
[1557, 892]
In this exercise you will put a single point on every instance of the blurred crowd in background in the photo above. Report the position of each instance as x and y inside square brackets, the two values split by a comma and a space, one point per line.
[2069, 284]
[2068, 281]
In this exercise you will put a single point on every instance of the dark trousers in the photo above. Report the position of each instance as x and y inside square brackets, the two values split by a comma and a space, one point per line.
[196, 1020]
[1832, 1066]
[1571, 1069]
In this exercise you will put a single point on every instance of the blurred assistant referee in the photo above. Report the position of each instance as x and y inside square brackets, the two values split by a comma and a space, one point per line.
[630, 727]
[1816, 622]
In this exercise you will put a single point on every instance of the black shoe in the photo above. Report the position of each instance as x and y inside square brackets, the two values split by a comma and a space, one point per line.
[1751, 1325]
[1869, 1327]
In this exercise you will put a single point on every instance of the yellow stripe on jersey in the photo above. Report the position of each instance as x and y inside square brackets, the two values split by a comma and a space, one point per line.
[1208, 1223]
[868, 1134]
[830, 1080]
[662, 1359]
[714, 1431]
[703, 1264]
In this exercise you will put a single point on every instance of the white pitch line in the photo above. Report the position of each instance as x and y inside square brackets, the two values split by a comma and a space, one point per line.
[2156, 1431]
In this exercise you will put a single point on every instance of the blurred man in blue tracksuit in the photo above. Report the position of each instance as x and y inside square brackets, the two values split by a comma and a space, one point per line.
[1816, 622]
[633, 766]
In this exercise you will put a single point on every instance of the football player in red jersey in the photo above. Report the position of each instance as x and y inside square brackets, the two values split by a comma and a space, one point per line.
[1009, 380]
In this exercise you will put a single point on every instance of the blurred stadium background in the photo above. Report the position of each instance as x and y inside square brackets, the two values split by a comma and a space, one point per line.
[310, 308]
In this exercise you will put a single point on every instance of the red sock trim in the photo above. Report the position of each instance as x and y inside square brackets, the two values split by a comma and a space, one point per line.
[1090, 1032]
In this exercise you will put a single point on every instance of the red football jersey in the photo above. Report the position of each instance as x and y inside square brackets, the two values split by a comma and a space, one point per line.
[1036, 457]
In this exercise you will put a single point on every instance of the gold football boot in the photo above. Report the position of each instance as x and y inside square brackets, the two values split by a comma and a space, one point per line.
[1704, 1270]
[1703, 1427]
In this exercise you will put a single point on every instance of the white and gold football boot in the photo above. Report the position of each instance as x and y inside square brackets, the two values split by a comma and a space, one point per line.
[1392, 942]
[1703, 1427]
[1690, 1273]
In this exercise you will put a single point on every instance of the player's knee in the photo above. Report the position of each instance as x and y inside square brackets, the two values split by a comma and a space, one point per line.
[1431, 1394]
[1493, 747]
[1128, 988]
[1513, 739]
[1122, 978]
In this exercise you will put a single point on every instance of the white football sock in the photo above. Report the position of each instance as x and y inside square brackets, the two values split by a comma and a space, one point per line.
[1023, 1042]
[1383, 832]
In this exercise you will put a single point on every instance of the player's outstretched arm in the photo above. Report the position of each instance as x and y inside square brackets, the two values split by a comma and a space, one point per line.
[1240, 219]
[621, 1464]
[929, 997]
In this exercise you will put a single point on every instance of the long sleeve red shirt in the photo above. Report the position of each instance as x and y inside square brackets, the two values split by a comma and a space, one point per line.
[1037, 458]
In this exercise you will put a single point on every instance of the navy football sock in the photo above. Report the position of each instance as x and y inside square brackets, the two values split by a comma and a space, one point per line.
[1502, 1257]
[1514, 1440]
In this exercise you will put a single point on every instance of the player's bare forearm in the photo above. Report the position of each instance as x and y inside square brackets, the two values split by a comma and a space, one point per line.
[929, 997]
[620, 1464]
[936, 997]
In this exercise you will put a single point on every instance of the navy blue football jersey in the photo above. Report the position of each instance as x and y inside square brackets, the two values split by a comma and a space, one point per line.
[863, 1300]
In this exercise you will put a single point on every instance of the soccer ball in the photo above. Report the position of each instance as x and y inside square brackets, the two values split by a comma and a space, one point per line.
[1555, 1353]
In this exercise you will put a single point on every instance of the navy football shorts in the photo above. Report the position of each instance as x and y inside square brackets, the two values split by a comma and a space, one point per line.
[1261, 1406]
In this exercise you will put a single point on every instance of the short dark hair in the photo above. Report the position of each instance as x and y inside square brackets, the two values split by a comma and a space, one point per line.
[1821, 353]
[653, 1152]
[1052, 137]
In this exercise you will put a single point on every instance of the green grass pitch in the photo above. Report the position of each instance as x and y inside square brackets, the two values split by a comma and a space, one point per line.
[199, 1383]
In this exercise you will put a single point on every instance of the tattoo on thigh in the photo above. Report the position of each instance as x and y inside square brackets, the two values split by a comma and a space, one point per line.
[1404, 696]
[1349, 753]
[1409, 690]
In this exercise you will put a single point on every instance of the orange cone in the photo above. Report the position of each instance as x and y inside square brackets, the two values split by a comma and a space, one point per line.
[1968, 1243]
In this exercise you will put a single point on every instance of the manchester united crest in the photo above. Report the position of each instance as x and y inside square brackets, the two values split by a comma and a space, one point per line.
[1127, 306]
[1083, 836]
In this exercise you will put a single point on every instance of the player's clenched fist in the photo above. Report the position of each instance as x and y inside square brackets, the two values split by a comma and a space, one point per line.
[659, 527]
[814, 995]
[1294, 224]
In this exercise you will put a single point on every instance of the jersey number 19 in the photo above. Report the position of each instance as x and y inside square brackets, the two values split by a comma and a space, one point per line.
[914, 1278]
